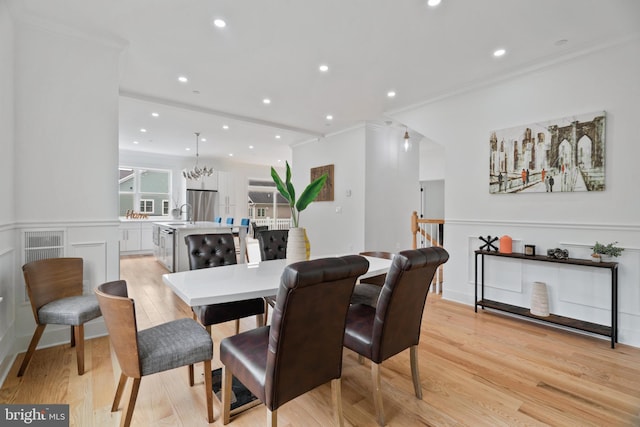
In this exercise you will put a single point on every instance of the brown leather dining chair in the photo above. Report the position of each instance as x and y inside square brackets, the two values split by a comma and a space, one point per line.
[302, 348]
[214, 250]
[381, 332]
[367, 290]
[54, 287]
[273, 245]
[170, 345]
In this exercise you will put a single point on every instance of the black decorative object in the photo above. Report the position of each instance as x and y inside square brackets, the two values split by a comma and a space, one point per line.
[558, 253]
[240, 395]
[530, 250]
[489, 244]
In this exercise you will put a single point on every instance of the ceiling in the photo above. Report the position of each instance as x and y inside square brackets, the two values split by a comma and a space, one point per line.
[272, 49]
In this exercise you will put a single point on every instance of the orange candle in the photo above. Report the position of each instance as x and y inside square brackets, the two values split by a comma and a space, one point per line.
[506, 244]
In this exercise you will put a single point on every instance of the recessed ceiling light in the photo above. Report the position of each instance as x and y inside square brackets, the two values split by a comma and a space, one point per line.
[391, 93]
[278, 136]
[433, 3]
[324, 68]
[251, 147]
[203, 139]
[155, 114]
[266, 101]
[136, 142]
[230, 154]
[225, 127]
[143, 130]
[499, 52]
[329, 117]
[279, 161]
[188, 149]
[183, 79]
[219, 23]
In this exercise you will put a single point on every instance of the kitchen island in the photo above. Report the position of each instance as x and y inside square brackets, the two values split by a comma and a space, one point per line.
[171, 250]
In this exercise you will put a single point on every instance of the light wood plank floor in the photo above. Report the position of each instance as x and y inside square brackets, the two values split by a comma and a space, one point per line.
[476, 369]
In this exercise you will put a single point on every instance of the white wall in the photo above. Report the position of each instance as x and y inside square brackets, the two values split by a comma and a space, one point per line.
[7, 213]
[65, 145]
[392, 188]
[600, 80]
[332, 232]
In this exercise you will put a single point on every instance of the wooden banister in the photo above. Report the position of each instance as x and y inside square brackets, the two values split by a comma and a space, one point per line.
[431, 237]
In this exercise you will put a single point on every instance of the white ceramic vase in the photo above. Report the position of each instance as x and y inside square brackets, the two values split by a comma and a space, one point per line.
[297, 245]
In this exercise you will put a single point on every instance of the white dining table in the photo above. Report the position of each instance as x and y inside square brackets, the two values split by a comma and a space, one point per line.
[239, 282]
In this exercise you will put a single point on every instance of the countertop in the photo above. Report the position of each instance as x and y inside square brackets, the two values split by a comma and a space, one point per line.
[186, 225]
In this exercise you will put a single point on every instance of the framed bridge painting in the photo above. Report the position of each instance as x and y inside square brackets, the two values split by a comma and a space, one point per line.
[561, 155]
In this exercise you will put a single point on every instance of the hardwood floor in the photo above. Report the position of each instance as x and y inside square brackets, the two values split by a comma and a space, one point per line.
[476, 369]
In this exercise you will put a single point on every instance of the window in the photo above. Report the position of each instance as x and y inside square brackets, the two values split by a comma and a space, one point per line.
[146, 206]
[262, 212]
[144, 190]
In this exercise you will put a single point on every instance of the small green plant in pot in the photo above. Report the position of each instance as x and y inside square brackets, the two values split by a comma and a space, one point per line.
[288, 192]
[298, 247]
[602, 252]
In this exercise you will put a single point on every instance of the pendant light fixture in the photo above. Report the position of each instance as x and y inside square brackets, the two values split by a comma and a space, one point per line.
[406, 139]
[196, 173]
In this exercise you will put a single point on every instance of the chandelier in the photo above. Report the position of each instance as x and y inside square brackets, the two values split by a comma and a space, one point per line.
[196, 173]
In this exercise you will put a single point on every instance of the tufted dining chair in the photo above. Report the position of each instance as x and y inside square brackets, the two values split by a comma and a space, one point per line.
[302, 348]
[54, 287]
[393, 325]
[160, 348]
[273, 245]
[213, 250]
[367, 290]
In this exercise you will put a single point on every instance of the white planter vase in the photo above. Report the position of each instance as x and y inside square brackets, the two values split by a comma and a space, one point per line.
[297, 245]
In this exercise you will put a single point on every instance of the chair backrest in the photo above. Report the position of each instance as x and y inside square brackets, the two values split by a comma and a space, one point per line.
[229, 221]
[244, 222]
[118, 311]
[210, 250]
[402, 299]
[380, 278]
[273, 244]
[52, 279]
[307, 326]
[257, 229]
[218, 219]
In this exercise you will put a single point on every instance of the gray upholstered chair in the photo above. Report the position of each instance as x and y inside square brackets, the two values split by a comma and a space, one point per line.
[394, 324]
[167, 346]
[213, 250]
[54, 287]
[302, 349]
[367, 290]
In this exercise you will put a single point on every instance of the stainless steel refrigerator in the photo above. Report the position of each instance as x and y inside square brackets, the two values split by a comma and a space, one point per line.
[203, 204]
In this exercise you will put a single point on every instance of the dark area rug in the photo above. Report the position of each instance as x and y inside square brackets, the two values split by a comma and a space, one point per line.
[240, 396]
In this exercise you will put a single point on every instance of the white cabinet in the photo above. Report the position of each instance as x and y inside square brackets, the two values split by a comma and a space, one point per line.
[136, 237]
[226, 195]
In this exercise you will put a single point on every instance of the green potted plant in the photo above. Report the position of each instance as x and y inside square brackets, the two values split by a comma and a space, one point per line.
[602, 252]
[297, 242]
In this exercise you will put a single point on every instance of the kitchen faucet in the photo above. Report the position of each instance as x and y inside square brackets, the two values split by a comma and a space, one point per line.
[189, 212]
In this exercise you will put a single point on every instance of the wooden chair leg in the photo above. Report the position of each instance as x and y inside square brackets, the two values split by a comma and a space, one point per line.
[377, 392]
[125, 421]
[208, 390]
[32, 348]
[415, 373]
[79, 338]
[237, 326]
[260, 320]
[336, 393]
[119, 390]
[191, 376]
[73, 336]
[272, 418]
[227, 377]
